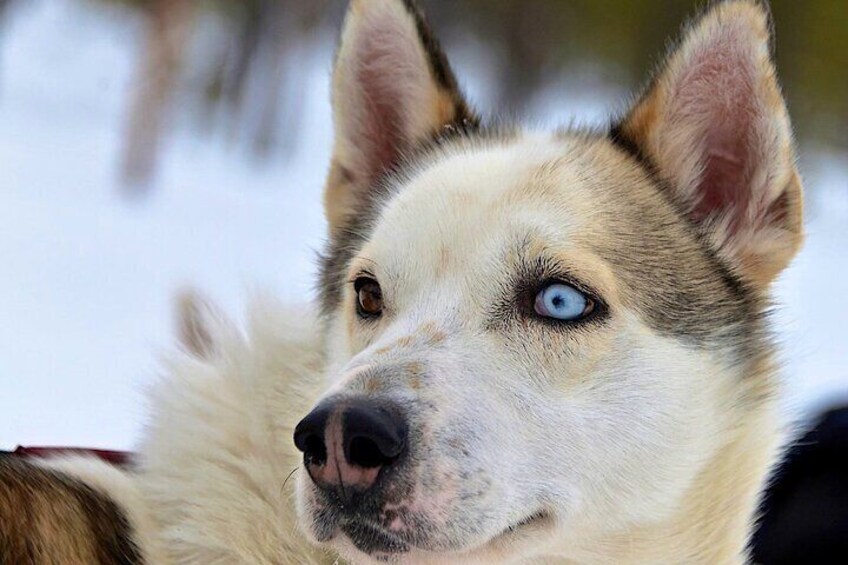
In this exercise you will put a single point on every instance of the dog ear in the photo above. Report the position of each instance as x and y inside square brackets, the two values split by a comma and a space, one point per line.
[392, 89]
[199, 324]
[714, 125]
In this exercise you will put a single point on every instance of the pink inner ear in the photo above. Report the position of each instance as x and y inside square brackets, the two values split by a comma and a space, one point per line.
[716, 100]
[724, 186]
[390, 77]
[382, 129]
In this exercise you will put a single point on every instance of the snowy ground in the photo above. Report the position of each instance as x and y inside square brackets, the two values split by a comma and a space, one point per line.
[87, 277]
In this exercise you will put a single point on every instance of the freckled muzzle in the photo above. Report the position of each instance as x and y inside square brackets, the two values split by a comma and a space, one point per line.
[355, 451]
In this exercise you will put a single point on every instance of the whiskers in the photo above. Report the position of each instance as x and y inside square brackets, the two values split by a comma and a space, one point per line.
[288, 477]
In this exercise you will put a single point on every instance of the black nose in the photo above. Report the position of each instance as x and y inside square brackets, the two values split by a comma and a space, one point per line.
[346, 442]
[374, 435]
[309, 434]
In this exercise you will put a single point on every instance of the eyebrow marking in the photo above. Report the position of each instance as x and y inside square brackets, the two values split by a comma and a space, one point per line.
[427, 334]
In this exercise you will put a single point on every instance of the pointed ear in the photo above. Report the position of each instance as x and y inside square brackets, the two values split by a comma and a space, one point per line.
[199, 324]
[714, 126]
[392, 89]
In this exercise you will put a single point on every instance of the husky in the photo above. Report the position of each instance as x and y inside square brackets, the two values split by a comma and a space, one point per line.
[544, 347]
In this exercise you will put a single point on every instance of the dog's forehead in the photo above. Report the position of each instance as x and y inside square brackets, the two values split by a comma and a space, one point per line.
[478, 196]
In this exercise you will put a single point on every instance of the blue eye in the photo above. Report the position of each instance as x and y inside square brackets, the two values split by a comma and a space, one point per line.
[563, 302]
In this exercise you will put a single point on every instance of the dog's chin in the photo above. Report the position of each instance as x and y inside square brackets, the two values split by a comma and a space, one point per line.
[365, 543]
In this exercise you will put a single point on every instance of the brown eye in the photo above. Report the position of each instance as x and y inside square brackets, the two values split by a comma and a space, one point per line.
[369, 297]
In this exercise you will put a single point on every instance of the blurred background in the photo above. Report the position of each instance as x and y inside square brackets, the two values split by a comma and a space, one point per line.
[152, 145]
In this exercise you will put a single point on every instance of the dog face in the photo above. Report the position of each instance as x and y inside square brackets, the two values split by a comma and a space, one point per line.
[536, 339]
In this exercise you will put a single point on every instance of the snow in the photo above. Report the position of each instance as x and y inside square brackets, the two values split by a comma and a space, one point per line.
[87, 276]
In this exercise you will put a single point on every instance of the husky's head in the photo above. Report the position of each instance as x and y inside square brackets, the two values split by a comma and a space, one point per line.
[537, 339]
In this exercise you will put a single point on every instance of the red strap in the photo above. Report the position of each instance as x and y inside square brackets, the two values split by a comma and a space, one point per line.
[118, 458]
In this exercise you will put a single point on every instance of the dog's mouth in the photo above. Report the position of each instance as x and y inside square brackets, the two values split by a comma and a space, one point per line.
[379, 542]
[373, 540]
[536, 520]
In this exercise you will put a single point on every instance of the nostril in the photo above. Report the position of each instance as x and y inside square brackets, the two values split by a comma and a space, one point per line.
[364, 452]
[315, 450]
[309, 435]
[374, 434]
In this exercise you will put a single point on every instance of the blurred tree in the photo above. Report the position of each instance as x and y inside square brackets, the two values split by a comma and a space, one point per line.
[248, 78]
[159, 67]
[256, 85]
[5, 6]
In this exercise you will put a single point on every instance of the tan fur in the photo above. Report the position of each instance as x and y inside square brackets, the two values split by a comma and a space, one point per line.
[338, 202]
[122, 487]
[59, 527]
[49, 517]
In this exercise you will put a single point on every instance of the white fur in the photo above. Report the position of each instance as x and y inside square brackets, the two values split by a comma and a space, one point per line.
[218, 450]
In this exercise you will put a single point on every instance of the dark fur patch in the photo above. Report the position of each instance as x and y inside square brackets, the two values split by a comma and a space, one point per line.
[50, 517]
[629, 148]
[748, 306]
[684, 288]
[342, 246]
[439, 64]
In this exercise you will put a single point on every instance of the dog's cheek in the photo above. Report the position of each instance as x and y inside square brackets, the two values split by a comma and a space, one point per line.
[648, 425]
